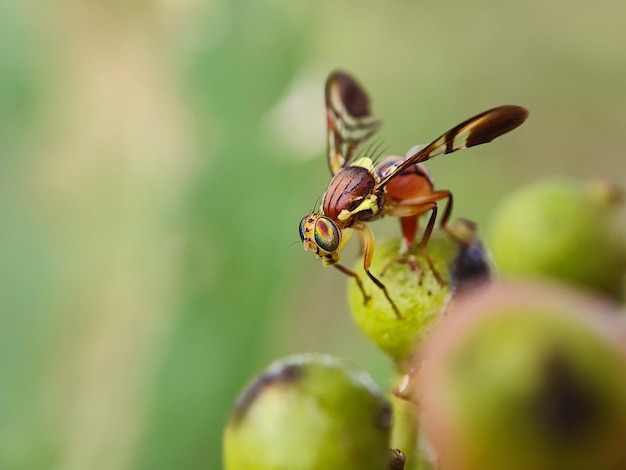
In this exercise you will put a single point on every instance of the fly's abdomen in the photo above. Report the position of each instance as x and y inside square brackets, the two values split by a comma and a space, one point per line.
[411, 183]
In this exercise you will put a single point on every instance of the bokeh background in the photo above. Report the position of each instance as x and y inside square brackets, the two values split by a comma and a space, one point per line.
[156, 157]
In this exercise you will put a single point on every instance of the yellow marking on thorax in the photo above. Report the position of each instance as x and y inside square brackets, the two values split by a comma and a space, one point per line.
[369, 203]
[364, 162]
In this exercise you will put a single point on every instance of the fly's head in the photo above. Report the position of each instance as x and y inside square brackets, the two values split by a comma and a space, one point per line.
[321, 235]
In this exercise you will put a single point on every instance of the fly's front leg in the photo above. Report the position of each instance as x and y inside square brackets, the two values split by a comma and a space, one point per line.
[357, 278]
[368, 245]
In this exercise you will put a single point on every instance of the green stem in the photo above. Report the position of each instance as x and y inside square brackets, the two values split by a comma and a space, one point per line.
[405, 432]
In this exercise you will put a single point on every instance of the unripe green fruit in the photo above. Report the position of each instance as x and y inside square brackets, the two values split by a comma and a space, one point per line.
[526, 377]
[309, 412]
[561, 230]
[421, 298]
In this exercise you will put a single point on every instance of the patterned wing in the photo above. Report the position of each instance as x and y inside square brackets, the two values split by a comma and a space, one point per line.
[477, 130]
[349, 119]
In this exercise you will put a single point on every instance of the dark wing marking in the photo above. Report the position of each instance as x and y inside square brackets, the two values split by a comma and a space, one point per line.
[348, 117]
[480, 129]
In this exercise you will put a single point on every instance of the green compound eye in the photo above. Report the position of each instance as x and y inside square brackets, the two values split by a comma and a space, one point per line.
[327, 234]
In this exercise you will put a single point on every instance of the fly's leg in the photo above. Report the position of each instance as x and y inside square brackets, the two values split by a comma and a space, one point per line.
[420, 206]
[446, 216]
[409, 229]
[357, 278]
[368, 245]
[424, 242]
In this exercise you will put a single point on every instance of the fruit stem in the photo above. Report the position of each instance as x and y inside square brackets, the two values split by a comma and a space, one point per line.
[405, 434]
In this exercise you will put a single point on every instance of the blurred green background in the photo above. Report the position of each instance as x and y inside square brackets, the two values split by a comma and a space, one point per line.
[156, 158]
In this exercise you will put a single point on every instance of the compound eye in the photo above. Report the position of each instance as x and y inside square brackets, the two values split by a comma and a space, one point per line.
[301, 228]
[327, 234]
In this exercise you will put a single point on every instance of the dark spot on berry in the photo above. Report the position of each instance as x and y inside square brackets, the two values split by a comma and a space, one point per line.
[567, 407]
[283, 373]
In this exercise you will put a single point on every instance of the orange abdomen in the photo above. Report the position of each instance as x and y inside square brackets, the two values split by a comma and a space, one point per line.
[412, 183]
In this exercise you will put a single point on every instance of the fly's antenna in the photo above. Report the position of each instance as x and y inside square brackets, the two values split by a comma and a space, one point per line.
[297, 242]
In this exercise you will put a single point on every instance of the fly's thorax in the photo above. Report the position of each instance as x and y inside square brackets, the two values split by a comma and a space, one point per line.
[351, 196]
[322, 236]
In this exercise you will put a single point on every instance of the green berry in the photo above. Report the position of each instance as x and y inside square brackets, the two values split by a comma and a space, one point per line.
[526, 377]
[563, 230]
[420, 296]
[309, 412]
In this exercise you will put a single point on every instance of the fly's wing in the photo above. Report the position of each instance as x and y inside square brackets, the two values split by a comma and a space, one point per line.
[480, 129]
[348, 117]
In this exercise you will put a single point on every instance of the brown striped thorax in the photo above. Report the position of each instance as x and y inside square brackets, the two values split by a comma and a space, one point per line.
[352, 196]
[360, 191]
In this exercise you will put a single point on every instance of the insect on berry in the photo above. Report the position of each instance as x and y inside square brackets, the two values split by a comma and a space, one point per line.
[360, 191]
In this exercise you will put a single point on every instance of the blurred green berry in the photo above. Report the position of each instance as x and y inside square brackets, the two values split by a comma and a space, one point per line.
[563, 230]
[421, 298]
[309, 412]
[526, 377]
